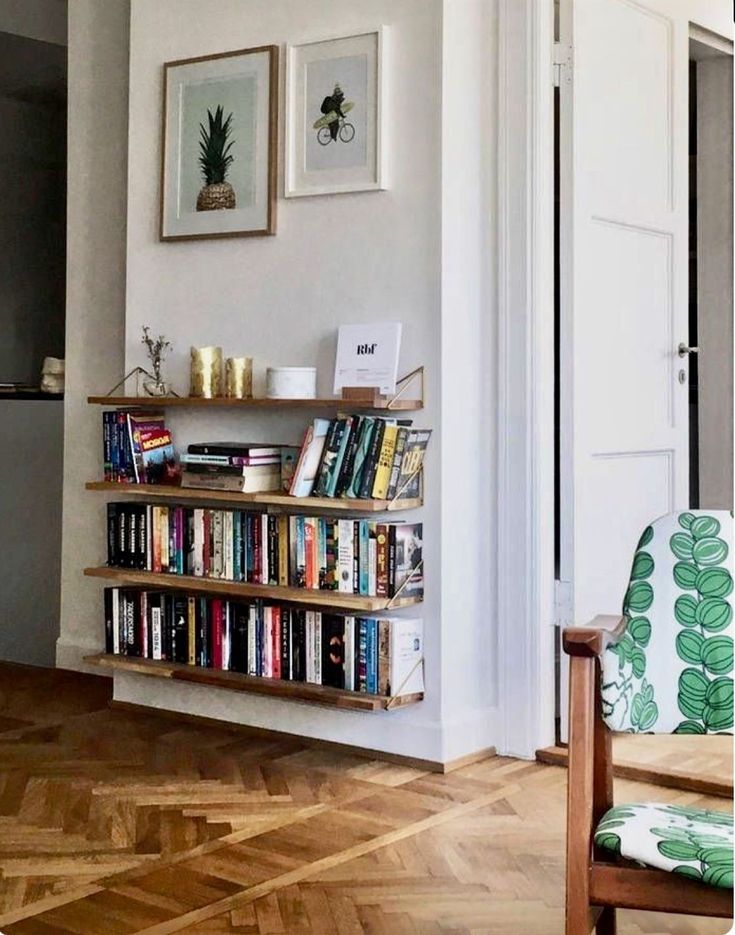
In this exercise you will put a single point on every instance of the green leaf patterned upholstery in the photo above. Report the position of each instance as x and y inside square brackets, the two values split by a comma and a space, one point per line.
[690, 841]
[672, 671]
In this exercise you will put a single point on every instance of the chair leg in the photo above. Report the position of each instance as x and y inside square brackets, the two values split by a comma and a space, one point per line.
[580, 795]
[607, 923]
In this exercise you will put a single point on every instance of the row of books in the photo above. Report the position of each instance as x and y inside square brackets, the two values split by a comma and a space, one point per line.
[354, 456]
[138, 448]
[353, 556]
[360, 457]
[362, 654]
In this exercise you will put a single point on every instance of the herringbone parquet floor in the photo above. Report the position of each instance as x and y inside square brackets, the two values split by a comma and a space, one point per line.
[115, 822]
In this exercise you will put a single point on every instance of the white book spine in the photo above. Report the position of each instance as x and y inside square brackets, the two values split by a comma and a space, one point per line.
[406, 656]
[116, 621]
[373, 565]
[229, 546]
[265, 571]
[252, 641]
[345, 556]
[156, 633]
[149, 537]
[198, 542]
[318, 648]
[350, 653]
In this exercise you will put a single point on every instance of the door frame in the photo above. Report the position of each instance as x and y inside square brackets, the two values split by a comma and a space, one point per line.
[525, 606]
[525, 387]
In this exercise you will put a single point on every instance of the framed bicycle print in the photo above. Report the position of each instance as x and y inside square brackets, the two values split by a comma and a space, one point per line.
[334, 115]
[220, 133]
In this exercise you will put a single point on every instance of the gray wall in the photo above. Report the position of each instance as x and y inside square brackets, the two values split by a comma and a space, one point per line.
[32, 167]
[95, 297]
[31, 434]
[32, 146]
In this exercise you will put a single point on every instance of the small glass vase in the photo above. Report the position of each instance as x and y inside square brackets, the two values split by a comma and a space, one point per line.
[155, 387]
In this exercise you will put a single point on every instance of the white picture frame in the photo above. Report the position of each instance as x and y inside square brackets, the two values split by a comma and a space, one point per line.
[345, 154]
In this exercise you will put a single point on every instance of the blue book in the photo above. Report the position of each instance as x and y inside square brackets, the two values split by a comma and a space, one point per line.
[372, 656]
[339, 460]
[259, 639]
[237, 545]
[250, 551]
[361, 680]
[364, 556]
[300, 552]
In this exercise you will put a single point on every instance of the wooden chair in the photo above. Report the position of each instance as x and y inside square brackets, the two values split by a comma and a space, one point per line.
[664, 666]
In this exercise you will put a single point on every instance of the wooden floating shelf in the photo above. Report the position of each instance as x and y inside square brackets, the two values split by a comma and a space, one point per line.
[235, 681]
[241, 589]
[224, 402]
[156, 491]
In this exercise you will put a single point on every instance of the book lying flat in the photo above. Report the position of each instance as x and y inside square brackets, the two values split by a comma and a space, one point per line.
[235, 449]
[259, 483]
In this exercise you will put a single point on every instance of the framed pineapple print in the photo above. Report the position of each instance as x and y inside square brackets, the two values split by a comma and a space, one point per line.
[220, 133]
[334, 115]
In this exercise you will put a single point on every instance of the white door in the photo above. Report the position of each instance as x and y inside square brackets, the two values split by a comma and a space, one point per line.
[624, 215]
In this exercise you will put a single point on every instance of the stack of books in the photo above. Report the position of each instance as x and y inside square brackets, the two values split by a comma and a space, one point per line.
[138, 448]
[234, 466]
[360, 457]
[362, 654]
[352, 556]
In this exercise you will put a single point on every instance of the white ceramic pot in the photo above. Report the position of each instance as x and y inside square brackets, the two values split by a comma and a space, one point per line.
[290, 383]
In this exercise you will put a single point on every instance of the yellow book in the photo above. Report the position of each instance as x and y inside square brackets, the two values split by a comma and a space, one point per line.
[385, 462]
[192, 620]
[283, 551]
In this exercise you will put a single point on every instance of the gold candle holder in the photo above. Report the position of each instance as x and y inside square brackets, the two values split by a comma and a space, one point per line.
[206, 372]
[239, 377]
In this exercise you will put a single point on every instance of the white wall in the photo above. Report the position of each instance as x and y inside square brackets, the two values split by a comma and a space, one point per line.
[414, 253]
[97, 148]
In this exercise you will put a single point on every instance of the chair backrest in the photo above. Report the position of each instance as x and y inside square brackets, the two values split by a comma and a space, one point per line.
[672, 671]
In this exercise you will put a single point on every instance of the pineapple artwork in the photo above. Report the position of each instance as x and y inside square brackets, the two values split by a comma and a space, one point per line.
[215, 159]
[219, 145]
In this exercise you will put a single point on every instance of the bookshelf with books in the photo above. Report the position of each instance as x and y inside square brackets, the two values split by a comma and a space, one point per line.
[243, 525]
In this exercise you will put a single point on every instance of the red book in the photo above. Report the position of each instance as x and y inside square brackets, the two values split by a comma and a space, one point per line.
[276, 635]
[156, 514]
[217, 633]
[309, 546]
[381, 542]
[257, 551]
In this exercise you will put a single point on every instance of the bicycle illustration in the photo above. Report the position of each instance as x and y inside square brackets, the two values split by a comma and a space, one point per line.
[333, 125]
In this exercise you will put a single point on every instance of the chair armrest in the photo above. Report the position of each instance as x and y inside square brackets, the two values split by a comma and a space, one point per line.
[593, 640]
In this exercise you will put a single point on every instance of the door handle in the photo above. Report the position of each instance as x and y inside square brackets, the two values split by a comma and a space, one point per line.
[684, 349]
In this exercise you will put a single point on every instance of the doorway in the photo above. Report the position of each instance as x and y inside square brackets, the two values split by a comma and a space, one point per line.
[710, 271]
[631, 337]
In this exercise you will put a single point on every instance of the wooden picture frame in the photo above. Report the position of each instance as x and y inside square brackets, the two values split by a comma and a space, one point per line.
[219, 152]
[315, 69]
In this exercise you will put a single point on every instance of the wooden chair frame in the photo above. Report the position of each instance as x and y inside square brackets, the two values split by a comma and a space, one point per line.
[597, 884]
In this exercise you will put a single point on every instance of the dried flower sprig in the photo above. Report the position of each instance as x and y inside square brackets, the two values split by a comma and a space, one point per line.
[156, 350]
